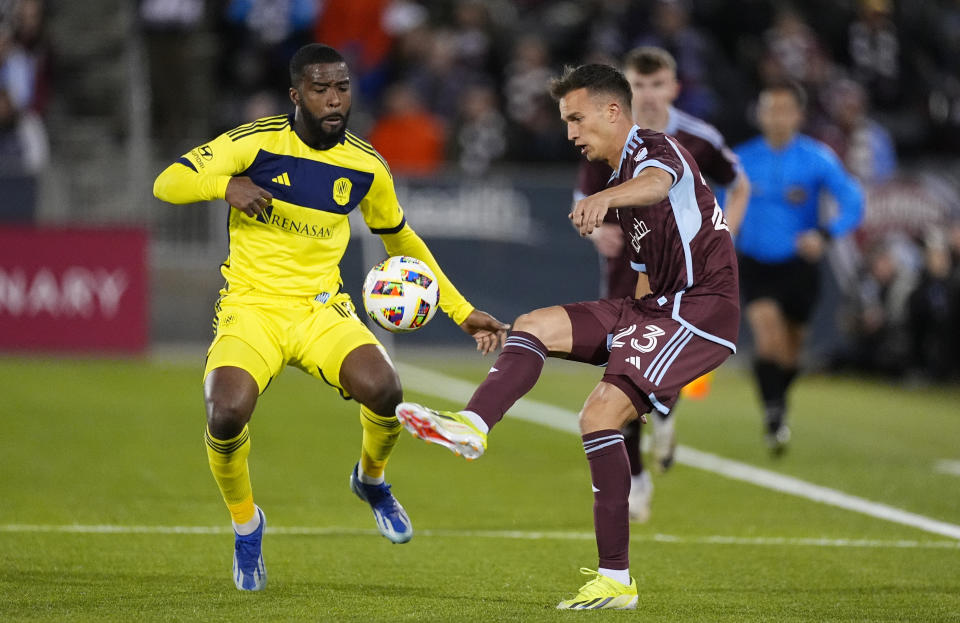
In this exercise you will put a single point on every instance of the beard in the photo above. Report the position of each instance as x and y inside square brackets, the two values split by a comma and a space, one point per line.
[320, 137]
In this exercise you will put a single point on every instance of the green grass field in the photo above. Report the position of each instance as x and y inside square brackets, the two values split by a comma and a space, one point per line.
[114, 449]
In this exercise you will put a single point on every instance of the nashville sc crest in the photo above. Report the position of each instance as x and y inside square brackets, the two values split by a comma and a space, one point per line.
[341, 191]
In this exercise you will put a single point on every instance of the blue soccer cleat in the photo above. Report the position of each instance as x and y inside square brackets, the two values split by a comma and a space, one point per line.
[392, 520]
[249, 574]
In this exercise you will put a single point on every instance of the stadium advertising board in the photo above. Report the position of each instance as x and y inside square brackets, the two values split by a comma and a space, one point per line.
[73, 290]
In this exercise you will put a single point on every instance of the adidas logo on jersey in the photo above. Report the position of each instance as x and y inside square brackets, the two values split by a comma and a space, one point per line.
[634, 361]
[283, 179]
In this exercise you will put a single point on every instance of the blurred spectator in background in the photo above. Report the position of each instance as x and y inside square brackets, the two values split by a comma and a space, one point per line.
[12, 160]
[874, 49]
[407, 135]
[867, 151]
[930, 313]
[31, 36]
[178, 84]
[793, 51]
[360, 30]
[527, 74]
[530, 111]
[438, 76]
[880, 312]
[474, 37]
[953, 245]
[257, 39]
[480, 134]
[695, 55]
[24, 150]
[942, 27]
[782, 239]
[864, 146]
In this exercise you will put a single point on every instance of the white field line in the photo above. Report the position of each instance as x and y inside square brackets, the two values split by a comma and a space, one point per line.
[522, 535]
[436, 384]
[948, 467]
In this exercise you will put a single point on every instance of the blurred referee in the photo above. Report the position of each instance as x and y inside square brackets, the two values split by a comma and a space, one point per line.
[782, 239]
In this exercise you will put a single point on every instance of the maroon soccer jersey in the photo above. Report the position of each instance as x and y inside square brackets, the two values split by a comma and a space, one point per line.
[711, 153]
[704, 142]
[682, 243]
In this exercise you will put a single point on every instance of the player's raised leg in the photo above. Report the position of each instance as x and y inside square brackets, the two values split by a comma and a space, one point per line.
[605, 412]
[369, 376]
[231, 394]
[535, 336]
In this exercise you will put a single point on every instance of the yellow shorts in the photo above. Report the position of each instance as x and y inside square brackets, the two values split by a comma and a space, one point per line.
[262, 334]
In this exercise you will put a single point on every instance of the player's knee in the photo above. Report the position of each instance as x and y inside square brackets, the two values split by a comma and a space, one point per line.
[592, 419]
[533, 323]
[381, 393]
[605, 409]
[227, 415]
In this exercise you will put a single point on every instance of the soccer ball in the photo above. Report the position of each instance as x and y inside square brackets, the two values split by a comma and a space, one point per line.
[400, 294]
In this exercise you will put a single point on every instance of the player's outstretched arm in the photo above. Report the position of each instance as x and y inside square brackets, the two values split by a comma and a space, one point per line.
[489, 332]
[485, 329]
[650, 186]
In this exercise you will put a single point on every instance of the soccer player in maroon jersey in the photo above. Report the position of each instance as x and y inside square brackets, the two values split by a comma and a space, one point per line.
[652, 74]
[684, 324]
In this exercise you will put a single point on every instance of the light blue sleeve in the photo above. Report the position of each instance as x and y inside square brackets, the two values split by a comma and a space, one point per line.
[845, 189]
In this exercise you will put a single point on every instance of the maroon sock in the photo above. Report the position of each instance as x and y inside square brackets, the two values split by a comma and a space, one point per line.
[513, 374]
[610, 472]
[632, 437]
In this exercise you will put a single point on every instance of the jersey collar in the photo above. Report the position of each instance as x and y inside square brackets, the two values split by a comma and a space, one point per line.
[672, 121]
[623, 154]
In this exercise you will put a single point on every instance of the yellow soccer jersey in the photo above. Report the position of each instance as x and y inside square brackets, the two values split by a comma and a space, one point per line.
[294, 247]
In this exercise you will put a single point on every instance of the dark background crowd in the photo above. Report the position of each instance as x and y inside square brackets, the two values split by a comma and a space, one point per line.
[460, 85]
[469, 75]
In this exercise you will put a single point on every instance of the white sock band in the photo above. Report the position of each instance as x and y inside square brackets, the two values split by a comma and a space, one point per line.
[248, 527]
[620, 575]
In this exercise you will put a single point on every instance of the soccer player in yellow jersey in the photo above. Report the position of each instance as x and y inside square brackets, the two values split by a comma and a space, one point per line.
[292, 181]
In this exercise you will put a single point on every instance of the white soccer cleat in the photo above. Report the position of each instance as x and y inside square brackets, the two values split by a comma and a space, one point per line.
[449, 429]
[641, 494]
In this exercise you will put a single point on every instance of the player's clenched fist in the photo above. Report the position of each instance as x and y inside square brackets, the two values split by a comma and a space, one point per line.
[246, 196]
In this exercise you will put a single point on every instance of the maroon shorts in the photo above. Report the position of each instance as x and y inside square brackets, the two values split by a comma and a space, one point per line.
[649, 355]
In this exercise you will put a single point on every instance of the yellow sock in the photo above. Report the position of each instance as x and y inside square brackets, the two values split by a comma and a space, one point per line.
[380, 434]
[228, 462]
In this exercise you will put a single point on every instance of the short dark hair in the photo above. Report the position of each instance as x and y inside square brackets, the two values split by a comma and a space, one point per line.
[595, 78]
[312, 54]
[649, 59]
[792, 87]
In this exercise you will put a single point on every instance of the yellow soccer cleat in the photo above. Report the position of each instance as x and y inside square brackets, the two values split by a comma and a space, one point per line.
[446, 428]
[602, 593]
